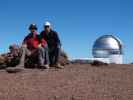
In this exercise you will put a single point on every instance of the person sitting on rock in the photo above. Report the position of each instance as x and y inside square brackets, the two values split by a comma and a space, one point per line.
[31, 46]
[54, 44]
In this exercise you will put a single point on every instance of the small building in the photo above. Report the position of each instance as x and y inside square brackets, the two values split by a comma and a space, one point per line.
[108, 48]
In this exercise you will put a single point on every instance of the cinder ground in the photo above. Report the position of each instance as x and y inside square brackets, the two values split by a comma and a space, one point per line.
[74, 82]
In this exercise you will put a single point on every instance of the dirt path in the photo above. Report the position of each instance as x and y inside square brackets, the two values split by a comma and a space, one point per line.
[75, 82]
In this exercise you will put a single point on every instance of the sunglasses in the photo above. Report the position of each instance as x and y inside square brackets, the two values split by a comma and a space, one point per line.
[46, 26]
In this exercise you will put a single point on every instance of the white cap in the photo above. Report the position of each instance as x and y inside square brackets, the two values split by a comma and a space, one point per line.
[47, 24]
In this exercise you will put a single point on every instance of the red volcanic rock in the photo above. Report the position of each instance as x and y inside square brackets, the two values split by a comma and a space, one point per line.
[11, 59]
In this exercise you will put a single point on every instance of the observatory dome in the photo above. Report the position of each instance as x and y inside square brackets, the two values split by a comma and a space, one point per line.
[107, 45]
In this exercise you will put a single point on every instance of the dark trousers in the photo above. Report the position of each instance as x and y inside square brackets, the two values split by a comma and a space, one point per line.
[54, 54]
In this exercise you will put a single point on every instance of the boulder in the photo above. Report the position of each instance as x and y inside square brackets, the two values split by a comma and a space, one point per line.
[2, 62]
[2, 59]
[12, 58]
[63, 59]
[14, 69]
[98, 63]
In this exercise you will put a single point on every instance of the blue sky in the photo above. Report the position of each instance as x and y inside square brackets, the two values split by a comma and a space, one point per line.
[79, 22]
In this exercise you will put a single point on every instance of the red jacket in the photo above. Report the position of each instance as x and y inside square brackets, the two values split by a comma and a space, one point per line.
[32, 41]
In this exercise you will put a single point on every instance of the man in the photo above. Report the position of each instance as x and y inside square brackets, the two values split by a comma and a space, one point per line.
[32, 47]
[54, 44]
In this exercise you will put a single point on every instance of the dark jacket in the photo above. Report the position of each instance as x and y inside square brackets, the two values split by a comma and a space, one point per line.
[51, 38]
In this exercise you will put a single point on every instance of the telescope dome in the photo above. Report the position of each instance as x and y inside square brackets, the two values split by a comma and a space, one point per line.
[107, 45]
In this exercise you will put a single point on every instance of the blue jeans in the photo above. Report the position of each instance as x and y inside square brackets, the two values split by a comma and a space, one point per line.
[43, 55]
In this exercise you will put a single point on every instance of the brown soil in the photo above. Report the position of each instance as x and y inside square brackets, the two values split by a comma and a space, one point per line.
[74, 82]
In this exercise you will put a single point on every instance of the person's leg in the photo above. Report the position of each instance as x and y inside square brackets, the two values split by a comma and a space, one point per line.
[51, 56]
[23, 52]
[32, 60]
[56, 56]
[47, 62]
[41, 56]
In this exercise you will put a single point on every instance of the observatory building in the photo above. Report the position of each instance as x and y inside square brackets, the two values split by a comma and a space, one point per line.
[108, 48]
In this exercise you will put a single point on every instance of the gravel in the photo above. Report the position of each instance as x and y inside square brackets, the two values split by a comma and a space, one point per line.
[74, 82]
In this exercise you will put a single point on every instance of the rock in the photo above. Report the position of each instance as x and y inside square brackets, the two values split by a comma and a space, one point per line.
[63, 60]
[12, 58]
[80, 61]
[14, 69]
[2, 62]
[98, 63]
[2, 59]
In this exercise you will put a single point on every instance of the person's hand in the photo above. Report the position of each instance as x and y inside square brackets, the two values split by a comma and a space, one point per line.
[39, 46]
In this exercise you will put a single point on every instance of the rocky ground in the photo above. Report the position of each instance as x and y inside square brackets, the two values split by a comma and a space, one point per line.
[74, 82]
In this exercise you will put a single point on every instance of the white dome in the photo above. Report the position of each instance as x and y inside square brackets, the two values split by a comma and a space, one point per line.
[107, 45]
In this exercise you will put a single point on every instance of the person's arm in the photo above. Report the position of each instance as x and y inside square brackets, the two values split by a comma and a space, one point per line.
[57, 39]
[24, 43]
[42, 41]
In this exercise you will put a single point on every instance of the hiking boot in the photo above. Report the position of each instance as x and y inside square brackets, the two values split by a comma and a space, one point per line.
[58, 66]
[47, 66]
[44, 66]
[20, 66]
